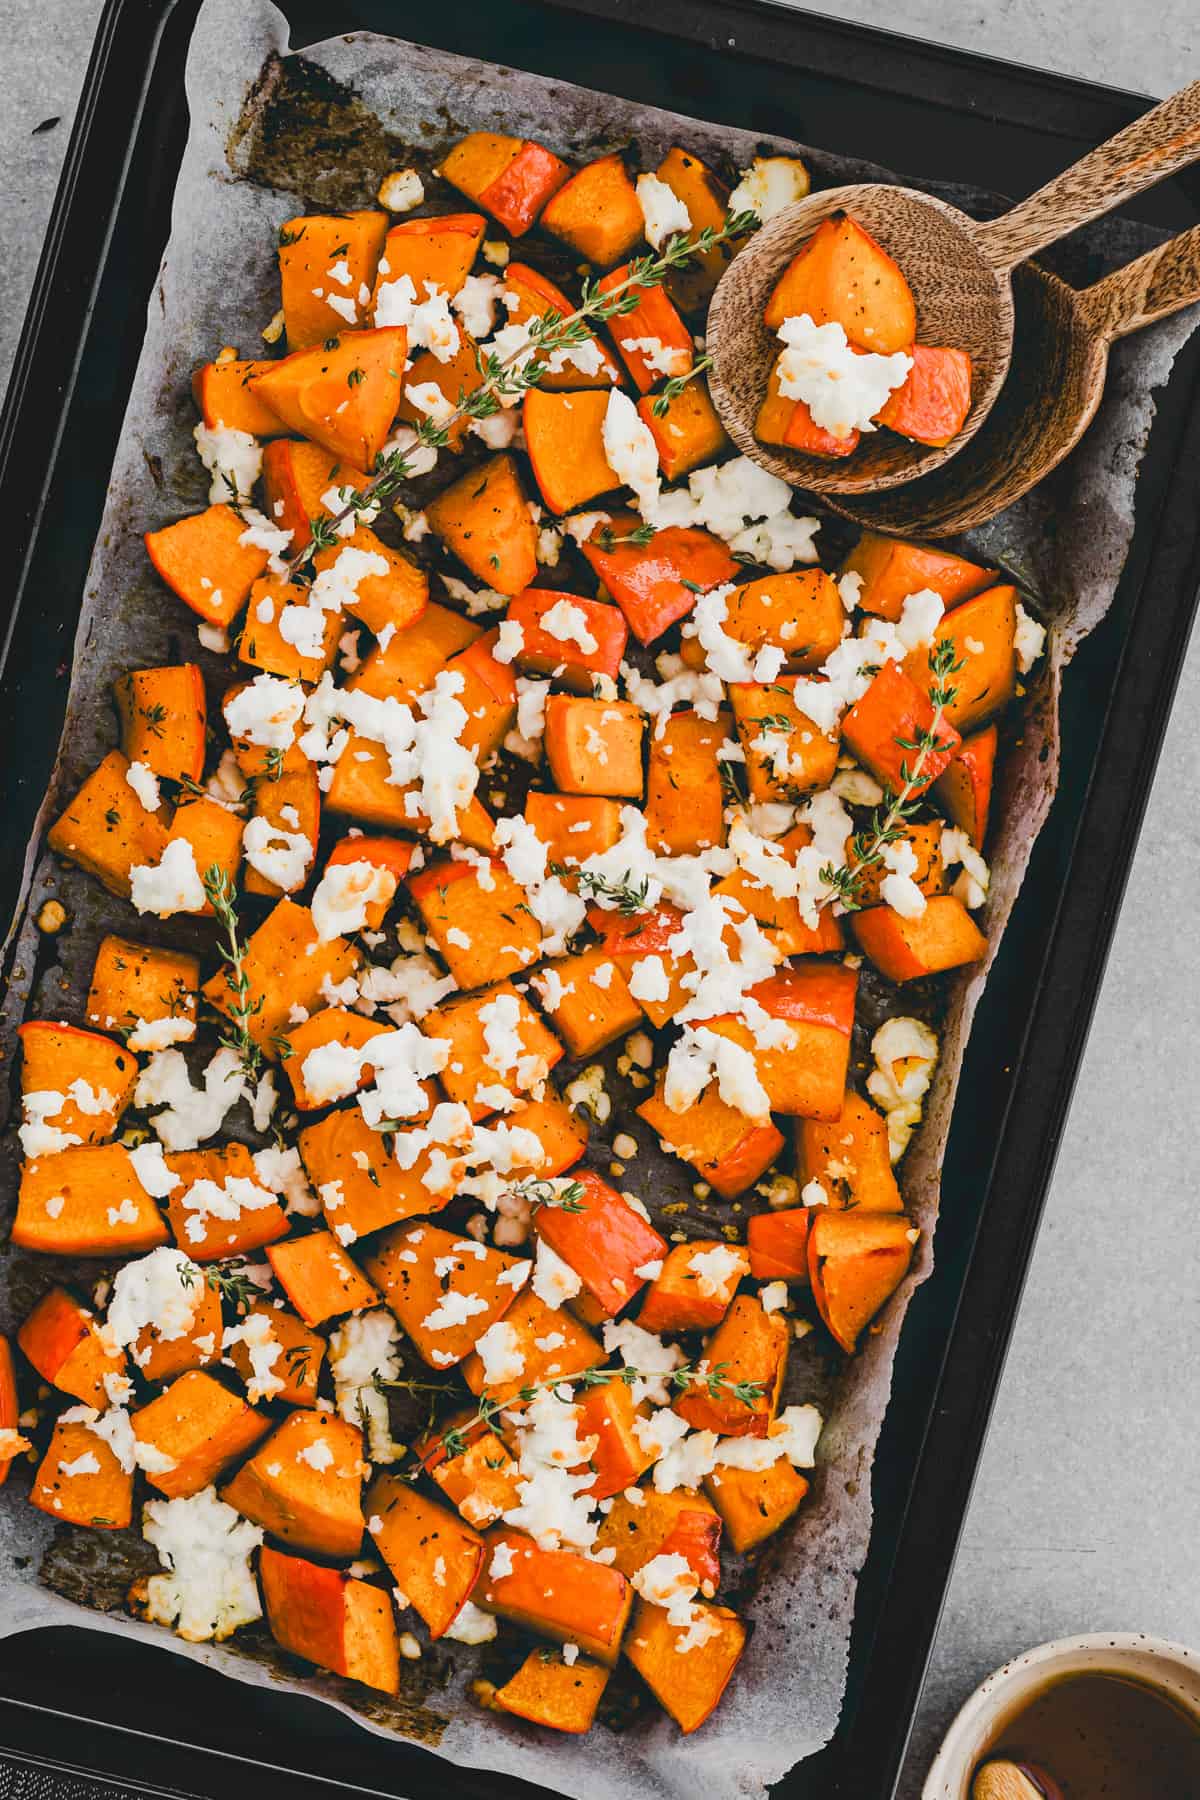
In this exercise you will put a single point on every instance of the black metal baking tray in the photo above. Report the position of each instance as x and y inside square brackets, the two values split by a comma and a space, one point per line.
[73, 1699]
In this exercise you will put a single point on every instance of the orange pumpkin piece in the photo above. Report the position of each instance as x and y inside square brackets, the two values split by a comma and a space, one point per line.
[655, 584]
[80, 1481]
[319, 1278]
[597, 212]
[106, 830]
[652, 339]
[595, 746]
[856, 1261]
[726, 1149]
[548, 1691]
[215, 836]
[479, 920]
[588, 999]
[304, 1484]
[983, 632]
[481, 1479]
[787, 755]
[140, 984]
[964, 788]
[225, 401]
[806, 1073]
[564, 435]
[255, 741]
[92, 1076]
[685, 796]
[477, 1075]
[776, 412]
[803, 433]
[407, 664]
[527, 1320]
[779, 915]
[628, 938]
[163, 713]
[86, 1200]
[681, 1523]
[271, 611]
[219, 1207]
[536, 296]
[12, 1444]
[296, 477]
[707, 200]
[488, 694]
[332, 1025]
[483, 518]
[343, 393]
[849, 1158]
[894, 712]
[193, 1430]
[160, 1358]
[204, 561]
[800, 613]
[444, 1289]
[778, 1244]
[511, 178]
[290, 805]
[299, 1359]
[583, 639]
[395, 596]
[573, 826]
[924, 838]
[331, 1619]
[324, 262]
[455, 379]
[842, 276]
[695, 1287]
[562, 1134]
[287, 964]
[433, 1555]
[755, 1503]
[688, 1686]
[749, 1345]
[891, 569]
[604, 1240]
[558, 1594]
[437, 252]
[610, 1415]
[945, 936]
[685, 429]
[361, 789]
[932, 404]
[63, 1342]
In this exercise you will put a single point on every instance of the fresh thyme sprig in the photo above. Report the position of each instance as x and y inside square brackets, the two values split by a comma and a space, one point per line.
[567, 1198]
[628, 897]
[676, 385]
[898, 807]
[233, 1284]
[506, 378]
[243, 1005]
[607, 539]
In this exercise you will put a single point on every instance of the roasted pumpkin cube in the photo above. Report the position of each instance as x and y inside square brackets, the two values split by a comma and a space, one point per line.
[343, 393]
[944, 936]
[806, 1072]
[604, 1240]
[288, 965]
[208, 562]
[589, 364]
[558, 1594]
[595, 746]
[455, 379]
[778, 1244]
[964, 788]
[444, 1289]
[573, 826]
[362, 1185]
[588, 999]
[695, 1287]
[651, 338]
[610, 1415]
[220, 391]
[319, 1278]
[266, 639]
[562, 1133]
[527, 1320]
[780, 915]
[198, 1344]
[755, 1503]
[135, 986]
[499, 1048]
[218, 1206]
[191, 1431]
[325, 259]
[488, 694]
[304, 481]
[726, 1149]
[86, 1200]
[511, 178]
[304, 1484]
[298, 1361]
[843, 276]
[597, 212]
[892, 715]
[66, 1347]
[90, 1077]
[931, 405]
[407, 664]
[483, 518]
[640, 945]
[362, 787]
[281, 860]
[437, 252]
[374, 860]
[549, 1691]
[163, 714]
[689, 1686]
[655, 584]
[396, 594]
[848, 1158]
[106, 830]
[214, 835]
[891, 569]
[924, 838]
[564, 435]
[681, 1523]
[479, 918]
[856, 1261]
[331, 1619]
[800, 613]
[80, 1482]
[434, 1557]
[568, 637]
[685, 796]
[787, 755]
[707, 200]
[329, 1077]
[749, 1345]
[983, 633]
[481, 1479]
[685, 429]
[263, 747]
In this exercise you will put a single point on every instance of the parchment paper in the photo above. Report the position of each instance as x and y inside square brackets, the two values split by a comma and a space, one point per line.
[1069, 539]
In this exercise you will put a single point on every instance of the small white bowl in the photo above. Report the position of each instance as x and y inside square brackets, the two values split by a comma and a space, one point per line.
[1172, 1669]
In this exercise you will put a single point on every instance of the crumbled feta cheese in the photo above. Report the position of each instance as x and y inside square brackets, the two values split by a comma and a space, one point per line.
[843, 388]
[190, 1114]
[344, 895]
[768, 185]
[472, 1626]
[171, 885]
[401, 190]
[209, 1589]
[232, 458]
[1030, 640]
[663, 213]
[144, 782]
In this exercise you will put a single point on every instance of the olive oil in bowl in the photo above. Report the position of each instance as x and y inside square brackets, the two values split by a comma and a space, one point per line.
[1106, 1737]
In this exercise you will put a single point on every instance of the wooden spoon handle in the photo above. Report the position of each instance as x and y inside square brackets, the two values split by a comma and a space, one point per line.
[1153, 147]
[1157, 284]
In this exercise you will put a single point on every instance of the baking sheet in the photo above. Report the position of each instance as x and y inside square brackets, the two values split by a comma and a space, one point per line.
[1071, 539]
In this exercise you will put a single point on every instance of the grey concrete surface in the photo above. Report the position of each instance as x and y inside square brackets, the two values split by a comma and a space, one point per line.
[1084, 1513]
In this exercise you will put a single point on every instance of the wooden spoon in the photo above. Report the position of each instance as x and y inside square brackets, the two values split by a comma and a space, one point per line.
[1060, 359]
[960, 272]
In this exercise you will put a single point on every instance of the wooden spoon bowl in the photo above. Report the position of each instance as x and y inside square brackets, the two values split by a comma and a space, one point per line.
[926, 237]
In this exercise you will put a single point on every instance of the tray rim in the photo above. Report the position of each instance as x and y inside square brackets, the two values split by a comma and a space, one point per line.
[1091, 932]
